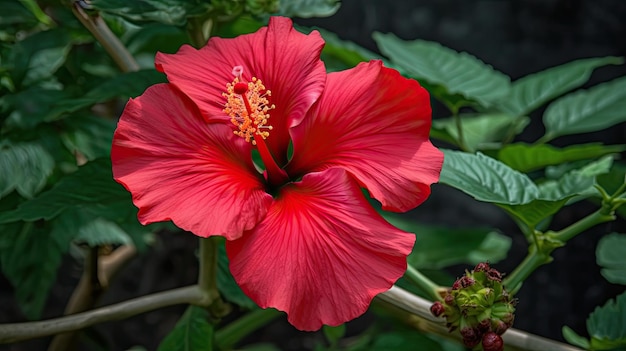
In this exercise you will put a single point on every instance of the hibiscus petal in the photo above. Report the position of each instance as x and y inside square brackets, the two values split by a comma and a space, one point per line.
[287, 61]
[321, 254]
[179, 167]
[375, 124]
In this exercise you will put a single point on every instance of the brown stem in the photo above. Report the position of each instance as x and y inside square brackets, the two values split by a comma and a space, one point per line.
[113, 46]
[14, 332]
[97, 274]
[514, 339]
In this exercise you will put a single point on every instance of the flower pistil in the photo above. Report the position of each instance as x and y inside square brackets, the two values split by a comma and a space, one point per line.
[248, 107]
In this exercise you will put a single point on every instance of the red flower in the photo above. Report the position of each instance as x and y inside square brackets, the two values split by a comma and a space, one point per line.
[301, 236]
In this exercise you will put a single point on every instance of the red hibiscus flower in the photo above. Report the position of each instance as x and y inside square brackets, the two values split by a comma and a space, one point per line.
[301, 235]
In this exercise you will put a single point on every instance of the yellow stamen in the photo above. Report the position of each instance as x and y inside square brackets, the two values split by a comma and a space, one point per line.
[248, 107]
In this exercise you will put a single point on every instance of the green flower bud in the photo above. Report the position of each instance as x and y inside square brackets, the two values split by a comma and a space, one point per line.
[479, 306]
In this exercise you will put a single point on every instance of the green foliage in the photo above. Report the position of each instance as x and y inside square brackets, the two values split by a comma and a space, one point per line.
[574, 339]
[308, 8]
[486, 179]
[30, 257]
[404, 341]
[88, 135]
[456, 78]
[611, 256]
[174, 12]
[91, 187]
[606, 327]
[102, 232]
[438, 247]
[588, 110]
[534, 90]
[527, 158]
[480, 131]
[333, 334]
[489, 180]
[25, 167]
[193, 332]
[579, 181]
[342, 54]
[227, 285]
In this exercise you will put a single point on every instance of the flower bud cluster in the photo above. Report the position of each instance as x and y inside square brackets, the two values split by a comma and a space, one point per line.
[479, 306]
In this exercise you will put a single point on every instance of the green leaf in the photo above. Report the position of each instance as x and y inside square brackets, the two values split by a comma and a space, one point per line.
[578, 182]
[91, 186]
[154, 37]
[227, 284]
[32, 258]
[333, 334]
[611, 256]
[308, 8]
[24, 167]
[587, 110]
[614, 179]
[570, 336]
[480, 131]
[38, 56]
[192, 332]
[437, 247]
[607, 325]
[486, 179]
[174, 12]
[14, 13]
[91, 136]
[37, 105]
[532, 91]
[341, 54]
[404, 341]
[102, 232]
[526, 158]
[124, 85]
[535, 211]
[449, 72]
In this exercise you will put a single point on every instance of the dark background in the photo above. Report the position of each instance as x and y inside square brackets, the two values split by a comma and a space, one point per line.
[515, 37]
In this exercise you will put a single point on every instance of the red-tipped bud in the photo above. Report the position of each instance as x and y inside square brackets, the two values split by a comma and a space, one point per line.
[492, 342]
[471, 336]
[449, 300]
[482, 267]
[463, 282]
[499, 327]
[494, 275]
[437, 309]
[484, 325]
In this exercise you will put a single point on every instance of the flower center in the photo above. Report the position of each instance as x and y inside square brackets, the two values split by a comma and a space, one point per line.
[248, 107]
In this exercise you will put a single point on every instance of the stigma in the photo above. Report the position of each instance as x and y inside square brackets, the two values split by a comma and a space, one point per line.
[248, 107]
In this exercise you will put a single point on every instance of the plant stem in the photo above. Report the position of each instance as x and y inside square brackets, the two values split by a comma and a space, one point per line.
[514, 339]
[108, 40]
[13, 332]
[600, 216]
[543, 140]
[86, 293]
[423, 283]
[459, 129]
[228, 336]
[207, 277]
[199, 30]
[207, 273]
[539, 253]
[531, 262]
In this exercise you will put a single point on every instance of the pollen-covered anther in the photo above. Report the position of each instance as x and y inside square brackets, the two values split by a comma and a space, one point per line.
[248, 108]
